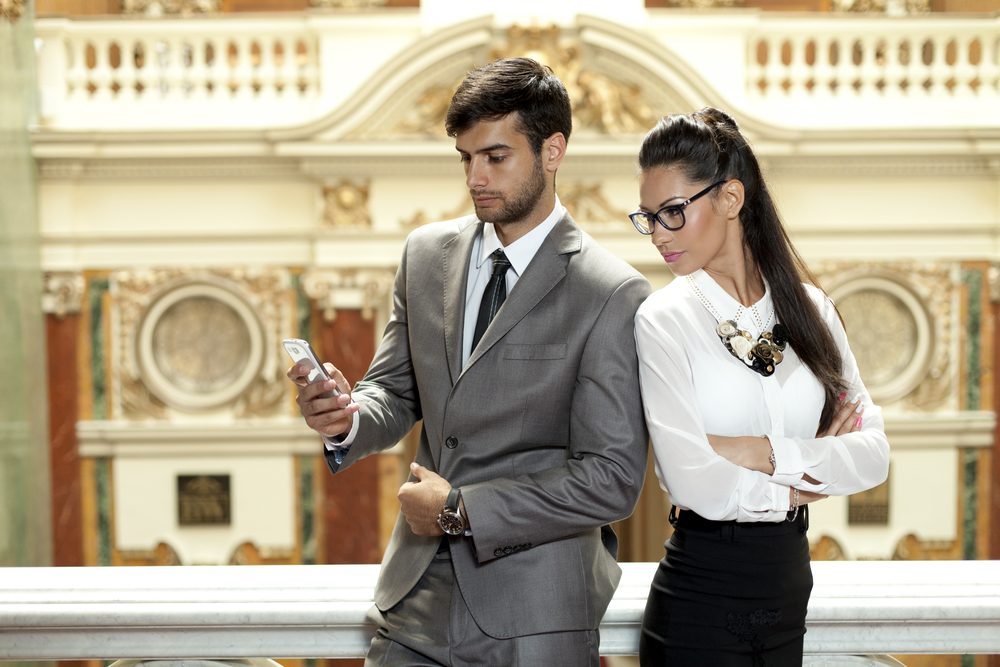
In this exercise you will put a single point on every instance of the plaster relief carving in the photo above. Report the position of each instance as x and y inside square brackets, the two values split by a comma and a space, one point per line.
[463, 208]
[345, 206]
[367, 290]
[172, 7]
[12, 9]
[602, 104]
[197, 341]
[586, 203]
[890, 7]
[62, 293]
[899, 319]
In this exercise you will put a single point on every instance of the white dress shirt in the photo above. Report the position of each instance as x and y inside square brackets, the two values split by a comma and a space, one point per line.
[692, 386]
[519, 254]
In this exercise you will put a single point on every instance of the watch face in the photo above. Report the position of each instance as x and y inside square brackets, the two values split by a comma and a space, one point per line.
[451, 522]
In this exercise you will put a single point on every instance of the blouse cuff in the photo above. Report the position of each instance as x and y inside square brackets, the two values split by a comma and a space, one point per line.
[788, 465]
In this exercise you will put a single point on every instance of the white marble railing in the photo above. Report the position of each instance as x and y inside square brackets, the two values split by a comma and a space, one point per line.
[267, 71]
[319, 611]
[918, 59]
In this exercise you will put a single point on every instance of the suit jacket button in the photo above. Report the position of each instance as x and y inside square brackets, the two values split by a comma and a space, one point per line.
[498, 552]
[451, 442]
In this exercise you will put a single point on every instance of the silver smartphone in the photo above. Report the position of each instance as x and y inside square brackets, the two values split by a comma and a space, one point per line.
[301, 353]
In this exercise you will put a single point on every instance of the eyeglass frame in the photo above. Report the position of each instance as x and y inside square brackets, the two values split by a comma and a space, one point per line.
[648, 229]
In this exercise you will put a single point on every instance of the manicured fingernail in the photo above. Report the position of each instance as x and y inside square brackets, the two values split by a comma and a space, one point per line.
[857, 397]
[857, 422]
[841, 395]
[861, 406]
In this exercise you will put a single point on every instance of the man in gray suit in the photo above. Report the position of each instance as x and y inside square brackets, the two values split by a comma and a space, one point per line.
[511, 337]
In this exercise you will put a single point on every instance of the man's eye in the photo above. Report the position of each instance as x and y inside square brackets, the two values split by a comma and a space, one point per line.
[497, 158]
[464, 158]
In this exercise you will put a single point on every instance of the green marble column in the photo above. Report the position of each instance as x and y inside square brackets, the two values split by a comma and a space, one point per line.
[24, 476]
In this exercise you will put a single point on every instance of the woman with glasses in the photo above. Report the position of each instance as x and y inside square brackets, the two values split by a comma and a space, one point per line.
[752, 398]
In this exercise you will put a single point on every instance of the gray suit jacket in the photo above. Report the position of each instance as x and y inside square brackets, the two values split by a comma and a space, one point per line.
[543, 430]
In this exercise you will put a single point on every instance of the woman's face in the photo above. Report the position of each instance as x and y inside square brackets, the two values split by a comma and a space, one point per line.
[710, 237]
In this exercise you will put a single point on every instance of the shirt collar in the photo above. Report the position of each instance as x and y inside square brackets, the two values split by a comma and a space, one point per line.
[522, 251]
[726, 307]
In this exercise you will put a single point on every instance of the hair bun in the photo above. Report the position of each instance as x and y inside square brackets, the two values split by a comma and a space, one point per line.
[713, 116]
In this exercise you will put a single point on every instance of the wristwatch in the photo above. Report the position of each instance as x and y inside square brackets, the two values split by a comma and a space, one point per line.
[450, 519]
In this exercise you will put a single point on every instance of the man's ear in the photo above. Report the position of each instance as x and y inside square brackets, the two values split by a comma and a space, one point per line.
[553, 151]
[732, 198]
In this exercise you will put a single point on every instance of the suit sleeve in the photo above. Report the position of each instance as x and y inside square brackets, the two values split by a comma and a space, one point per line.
[387, 396]
[605, 467]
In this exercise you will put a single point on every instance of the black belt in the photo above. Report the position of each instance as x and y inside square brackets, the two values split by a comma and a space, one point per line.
[688, 520]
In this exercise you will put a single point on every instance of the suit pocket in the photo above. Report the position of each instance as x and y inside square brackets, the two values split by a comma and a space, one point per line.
[531, 352]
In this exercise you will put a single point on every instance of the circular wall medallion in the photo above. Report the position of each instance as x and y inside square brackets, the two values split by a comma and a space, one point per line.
[890, 334]
[200, 346]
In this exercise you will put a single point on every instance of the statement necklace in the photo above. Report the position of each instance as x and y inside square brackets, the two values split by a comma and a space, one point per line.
[760, 356]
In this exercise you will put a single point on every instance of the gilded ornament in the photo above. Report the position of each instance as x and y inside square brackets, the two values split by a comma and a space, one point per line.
[900, 319]
[345, 205]
[12, 10]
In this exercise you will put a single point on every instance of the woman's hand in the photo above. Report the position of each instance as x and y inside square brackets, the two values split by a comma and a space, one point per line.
[847, 418]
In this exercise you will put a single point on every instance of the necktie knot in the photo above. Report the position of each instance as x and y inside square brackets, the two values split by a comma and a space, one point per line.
[500, 262]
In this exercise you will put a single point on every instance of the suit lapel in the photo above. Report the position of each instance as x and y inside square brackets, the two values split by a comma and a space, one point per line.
[455, 255]
[544, 272]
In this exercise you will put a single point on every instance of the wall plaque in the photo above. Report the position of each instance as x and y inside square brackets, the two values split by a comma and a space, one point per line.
[203, 500]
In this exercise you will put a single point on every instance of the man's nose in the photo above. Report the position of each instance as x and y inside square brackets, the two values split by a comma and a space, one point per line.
[475, 176]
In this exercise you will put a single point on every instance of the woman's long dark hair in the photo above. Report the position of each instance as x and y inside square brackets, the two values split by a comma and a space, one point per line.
[707, 146]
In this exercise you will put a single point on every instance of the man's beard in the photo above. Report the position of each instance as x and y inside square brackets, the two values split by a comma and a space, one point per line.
[523, 201]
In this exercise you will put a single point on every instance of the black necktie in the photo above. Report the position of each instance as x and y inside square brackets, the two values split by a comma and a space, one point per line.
[493, 297]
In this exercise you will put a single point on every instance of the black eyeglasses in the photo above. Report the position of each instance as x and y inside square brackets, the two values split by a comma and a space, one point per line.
[670, 216]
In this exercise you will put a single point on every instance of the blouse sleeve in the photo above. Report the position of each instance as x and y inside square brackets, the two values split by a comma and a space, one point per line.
[842, 464]
[688, 468]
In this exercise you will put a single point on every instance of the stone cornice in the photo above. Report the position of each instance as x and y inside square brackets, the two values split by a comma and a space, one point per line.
[583, 161]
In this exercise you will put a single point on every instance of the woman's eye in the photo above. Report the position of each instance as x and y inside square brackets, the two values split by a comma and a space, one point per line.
[673, 212]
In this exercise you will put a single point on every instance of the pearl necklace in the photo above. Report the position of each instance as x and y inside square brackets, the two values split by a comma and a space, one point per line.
[760, 356]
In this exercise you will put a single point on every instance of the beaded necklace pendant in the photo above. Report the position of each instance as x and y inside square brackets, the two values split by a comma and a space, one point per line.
[760, 355]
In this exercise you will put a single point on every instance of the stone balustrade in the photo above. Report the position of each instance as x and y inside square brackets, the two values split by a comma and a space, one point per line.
[200, 73]
[232, 612]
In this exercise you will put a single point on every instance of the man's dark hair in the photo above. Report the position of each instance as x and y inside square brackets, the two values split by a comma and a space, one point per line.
[511, 85]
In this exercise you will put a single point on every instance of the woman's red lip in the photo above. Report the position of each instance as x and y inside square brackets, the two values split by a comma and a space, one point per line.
[672, 256]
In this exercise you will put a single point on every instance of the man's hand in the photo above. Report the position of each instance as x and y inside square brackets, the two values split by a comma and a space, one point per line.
[421, 501]
[330, 416]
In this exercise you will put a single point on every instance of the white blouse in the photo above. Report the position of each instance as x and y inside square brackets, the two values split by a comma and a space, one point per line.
[692, 386]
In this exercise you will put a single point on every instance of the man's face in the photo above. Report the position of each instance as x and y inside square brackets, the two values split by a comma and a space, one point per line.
[505, 177]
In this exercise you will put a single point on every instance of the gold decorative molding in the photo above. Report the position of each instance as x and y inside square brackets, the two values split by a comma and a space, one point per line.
[827, 548]
[345, 206]
[586, 203]
[12, 10]
[910, 547]
[330, 289]
[419, 218]
[602, 104]
[62, 293]
[900, 319]
[348, 4]
[170, 7]
[704, 4]
[173, 352]
[249, 553]
[891, 7]
[161, 554]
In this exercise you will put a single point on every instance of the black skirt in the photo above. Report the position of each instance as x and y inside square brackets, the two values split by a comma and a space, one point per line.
[728, 593]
